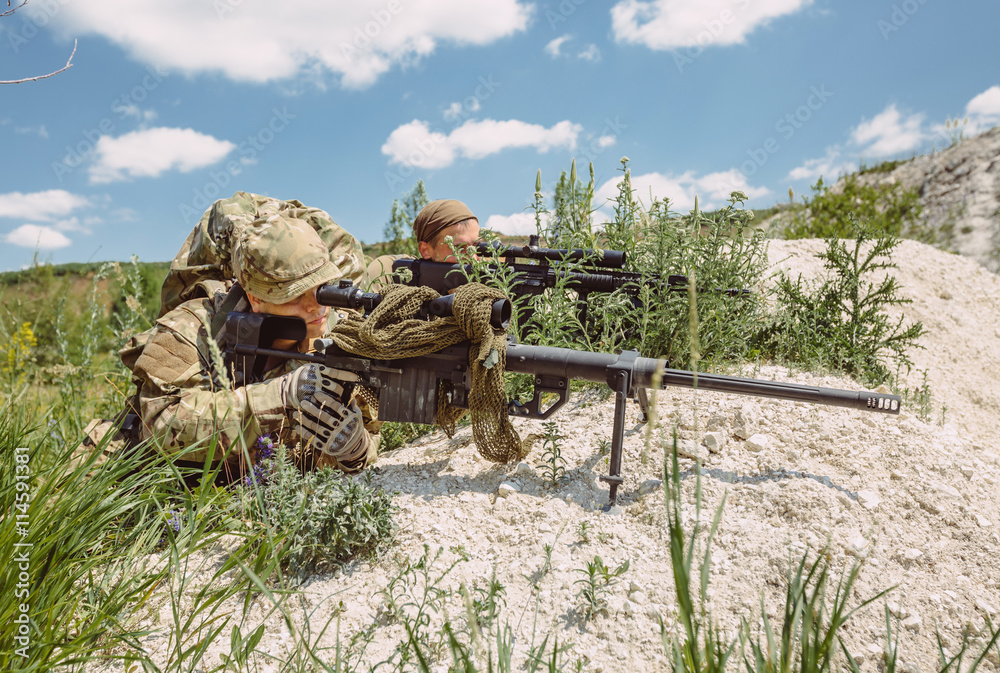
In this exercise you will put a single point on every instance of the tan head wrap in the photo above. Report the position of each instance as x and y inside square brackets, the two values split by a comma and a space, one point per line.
[437, 216]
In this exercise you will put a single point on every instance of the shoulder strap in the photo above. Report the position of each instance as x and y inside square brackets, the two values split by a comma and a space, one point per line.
[234, 300]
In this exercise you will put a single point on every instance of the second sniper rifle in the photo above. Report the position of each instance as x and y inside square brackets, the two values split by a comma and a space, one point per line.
[532, 273]
[408, 388]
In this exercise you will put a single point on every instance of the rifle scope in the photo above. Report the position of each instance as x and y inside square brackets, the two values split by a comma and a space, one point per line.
[345, 295]
[610, 259]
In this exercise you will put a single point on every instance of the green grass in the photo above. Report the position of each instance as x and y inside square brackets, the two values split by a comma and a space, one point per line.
[882, 167]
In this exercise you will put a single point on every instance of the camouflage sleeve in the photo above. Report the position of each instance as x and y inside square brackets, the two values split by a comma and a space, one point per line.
[182, 404]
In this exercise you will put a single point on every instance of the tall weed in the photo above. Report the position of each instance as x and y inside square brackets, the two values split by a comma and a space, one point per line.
[723, 257]
[840, 323]
[720, 251]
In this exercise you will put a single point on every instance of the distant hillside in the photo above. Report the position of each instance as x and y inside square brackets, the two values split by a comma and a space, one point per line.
[85, 269]
[959, 189]
[45, 284]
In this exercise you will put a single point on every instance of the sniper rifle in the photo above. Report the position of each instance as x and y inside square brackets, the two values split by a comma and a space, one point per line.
[407, 388]
[597, 271]
[531, 272]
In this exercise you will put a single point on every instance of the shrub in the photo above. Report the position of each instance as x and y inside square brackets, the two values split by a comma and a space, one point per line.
[327, 518]
[394, 435]
[887, 207]
[715, 253]
[840, 323]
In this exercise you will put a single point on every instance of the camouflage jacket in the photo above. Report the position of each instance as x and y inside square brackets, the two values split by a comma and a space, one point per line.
[185, 395]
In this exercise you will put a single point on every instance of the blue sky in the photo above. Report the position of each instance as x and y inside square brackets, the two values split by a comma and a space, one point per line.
[345, 105]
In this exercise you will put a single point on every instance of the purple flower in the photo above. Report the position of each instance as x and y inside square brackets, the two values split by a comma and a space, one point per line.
[257, 476]
[265, 448]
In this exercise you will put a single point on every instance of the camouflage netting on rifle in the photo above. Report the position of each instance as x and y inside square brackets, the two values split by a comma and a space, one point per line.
[390, 332]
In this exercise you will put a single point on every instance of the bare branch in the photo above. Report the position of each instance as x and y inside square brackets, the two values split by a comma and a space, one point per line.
[8, 12]
[69, 64]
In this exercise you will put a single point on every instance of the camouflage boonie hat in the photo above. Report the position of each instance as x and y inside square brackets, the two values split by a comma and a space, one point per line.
[278, 258]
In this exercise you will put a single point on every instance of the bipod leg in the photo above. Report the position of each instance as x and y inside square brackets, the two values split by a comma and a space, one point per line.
[642, 397]
[620, 380]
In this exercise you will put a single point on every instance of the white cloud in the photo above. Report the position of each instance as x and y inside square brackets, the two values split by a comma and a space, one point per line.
[591, 53]
[478, 139]
[414, 144]
[248, 40]
[40, 206]
[889, 133]
[605, 142]
[553, 47]
[830, 166]
[150, 152]
[674, 24]
[518, 224]
[38, 237]
[457, 110]
[986, 104]
[981, 114]
[984, 109]
[74, 224]
[133, 110]
[40, 131]
[712, 189]
[130, 110]
[121, 214]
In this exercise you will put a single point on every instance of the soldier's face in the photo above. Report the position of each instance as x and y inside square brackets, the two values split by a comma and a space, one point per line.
[463, 234]
[304, 306]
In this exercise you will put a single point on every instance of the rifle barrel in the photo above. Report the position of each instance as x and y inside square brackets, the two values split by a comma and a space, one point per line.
[595, 367]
